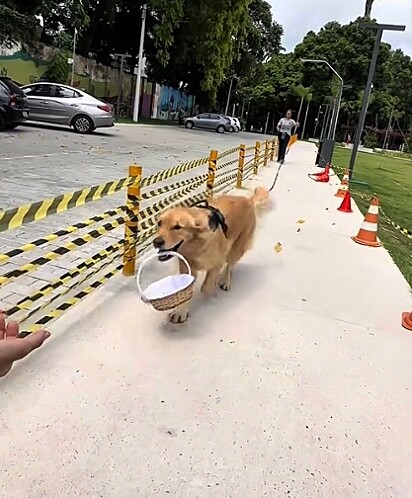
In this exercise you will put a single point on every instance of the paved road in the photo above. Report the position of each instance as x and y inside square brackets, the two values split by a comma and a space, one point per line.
[296, 384]
[39, 162]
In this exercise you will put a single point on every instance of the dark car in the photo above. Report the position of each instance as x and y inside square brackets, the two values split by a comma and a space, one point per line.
[14, 108]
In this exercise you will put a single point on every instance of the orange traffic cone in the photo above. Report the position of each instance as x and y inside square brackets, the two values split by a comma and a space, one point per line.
[346, 206]
[368, 233]
[344, 186]
[322, 177]
[407, 320]
[324, 172]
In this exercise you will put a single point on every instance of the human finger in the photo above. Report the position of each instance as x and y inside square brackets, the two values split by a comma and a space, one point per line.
[12, 329]
[2, 324]
[22, 347]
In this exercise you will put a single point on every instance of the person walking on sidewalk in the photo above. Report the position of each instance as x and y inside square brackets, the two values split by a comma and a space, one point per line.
[285, 127]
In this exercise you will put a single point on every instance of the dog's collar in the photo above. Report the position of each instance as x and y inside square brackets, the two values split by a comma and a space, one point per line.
[216, 217]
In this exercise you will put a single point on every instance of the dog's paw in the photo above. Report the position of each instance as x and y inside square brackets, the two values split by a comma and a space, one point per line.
[225, 286]
[209, 292]
[179, 316]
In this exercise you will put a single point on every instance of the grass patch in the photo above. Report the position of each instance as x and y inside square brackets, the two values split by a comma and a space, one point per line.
[391, 179]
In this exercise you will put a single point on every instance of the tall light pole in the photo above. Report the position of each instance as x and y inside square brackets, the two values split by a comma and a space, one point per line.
[74, 55]
[338, 100]
[136, 103]
[228, 96]
[379, 28]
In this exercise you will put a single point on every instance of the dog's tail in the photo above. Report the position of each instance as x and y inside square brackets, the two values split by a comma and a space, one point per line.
[260, 198]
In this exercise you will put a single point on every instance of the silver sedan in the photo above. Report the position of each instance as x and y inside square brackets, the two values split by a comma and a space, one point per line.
[63, 105]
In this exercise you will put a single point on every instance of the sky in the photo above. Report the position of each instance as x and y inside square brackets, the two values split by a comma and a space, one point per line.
[300, 16]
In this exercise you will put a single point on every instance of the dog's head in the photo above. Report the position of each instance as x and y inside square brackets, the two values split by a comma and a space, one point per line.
[180, 226]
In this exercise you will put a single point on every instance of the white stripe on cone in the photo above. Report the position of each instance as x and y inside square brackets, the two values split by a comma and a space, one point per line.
[370, 227]
[373, 209]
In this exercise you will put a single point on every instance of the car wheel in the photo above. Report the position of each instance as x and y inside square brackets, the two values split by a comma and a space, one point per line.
[231, 129]
[220, 129]
[82, 124]
[189, 125]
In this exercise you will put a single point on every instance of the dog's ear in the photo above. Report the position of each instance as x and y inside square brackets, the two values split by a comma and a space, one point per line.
[201, 221]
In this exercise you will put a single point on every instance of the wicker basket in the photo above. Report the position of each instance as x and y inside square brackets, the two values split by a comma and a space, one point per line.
[169, 292]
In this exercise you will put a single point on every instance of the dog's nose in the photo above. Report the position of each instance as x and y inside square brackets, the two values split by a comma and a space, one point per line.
[158, 242]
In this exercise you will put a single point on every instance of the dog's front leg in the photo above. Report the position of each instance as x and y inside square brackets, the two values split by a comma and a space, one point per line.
[181, 313]
[209, 287]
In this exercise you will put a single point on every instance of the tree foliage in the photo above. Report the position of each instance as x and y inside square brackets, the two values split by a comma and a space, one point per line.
[201, 46]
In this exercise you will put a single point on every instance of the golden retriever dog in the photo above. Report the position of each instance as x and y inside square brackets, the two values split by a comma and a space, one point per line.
[212, 237]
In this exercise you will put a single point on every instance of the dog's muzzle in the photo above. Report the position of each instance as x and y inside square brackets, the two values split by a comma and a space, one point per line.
[161, 249]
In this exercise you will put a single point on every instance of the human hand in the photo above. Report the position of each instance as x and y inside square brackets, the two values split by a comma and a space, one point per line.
[13, 348]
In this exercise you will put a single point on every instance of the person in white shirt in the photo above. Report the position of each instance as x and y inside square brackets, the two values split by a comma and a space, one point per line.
[285, 129]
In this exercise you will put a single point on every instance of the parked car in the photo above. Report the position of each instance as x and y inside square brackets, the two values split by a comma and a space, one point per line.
[238, 125]
[63, 105]
[210, 121]
[14, 107]
[234, 124]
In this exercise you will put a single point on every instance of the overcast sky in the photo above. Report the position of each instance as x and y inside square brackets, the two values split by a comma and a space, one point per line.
[300, 16]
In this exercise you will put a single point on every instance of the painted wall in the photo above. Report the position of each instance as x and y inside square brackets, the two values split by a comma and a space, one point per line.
[157, 102]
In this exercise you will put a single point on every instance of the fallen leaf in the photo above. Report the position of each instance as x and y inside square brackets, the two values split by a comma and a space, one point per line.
[278, 247]
[300, 222]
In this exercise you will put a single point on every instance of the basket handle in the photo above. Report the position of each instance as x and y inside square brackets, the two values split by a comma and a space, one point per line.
[155, 255]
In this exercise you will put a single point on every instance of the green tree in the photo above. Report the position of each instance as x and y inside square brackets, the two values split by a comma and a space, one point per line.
[58, 70]
[303, 93]
[17, 20]
[205, 41]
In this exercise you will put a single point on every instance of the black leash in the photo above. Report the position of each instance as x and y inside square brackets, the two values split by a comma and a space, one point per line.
[276, 177]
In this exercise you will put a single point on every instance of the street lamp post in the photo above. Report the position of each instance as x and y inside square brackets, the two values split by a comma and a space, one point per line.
[228, 96]
[74, 56]
[338, 100]
[136, 103]
[380, 28]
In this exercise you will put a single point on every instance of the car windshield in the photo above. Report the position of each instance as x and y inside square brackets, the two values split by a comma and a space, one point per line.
[12, 86]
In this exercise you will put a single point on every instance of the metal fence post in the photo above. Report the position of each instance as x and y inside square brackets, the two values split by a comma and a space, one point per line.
[275, 148]
[272, 150]
[241, 164]
[131, 231]
[257, 157]
[211, 172]
[266, 157]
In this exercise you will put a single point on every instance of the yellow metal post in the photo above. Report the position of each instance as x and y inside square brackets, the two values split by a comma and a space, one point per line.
[131, 231]
[272, 149]
[211, 173]
[257, 157]
[266, 157]
[276, 153]
[241, 165]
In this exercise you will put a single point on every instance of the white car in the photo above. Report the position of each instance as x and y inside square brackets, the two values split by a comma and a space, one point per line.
[234, 124]
[64, 105]
[238, 125]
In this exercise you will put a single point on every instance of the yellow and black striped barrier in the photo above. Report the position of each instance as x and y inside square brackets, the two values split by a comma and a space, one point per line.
[170, 173]
[61, 251]
[16, 217]
[60, 233]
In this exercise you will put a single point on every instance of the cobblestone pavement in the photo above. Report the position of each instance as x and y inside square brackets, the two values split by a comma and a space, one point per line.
[38, 162]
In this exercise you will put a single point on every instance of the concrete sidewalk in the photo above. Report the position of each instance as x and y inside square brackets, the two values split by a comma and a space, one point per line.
[297, 383]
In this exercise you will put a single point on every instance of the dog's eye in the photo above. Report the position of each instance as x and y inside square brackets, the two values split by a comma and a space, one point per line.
[177, 227]
[159, 223]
